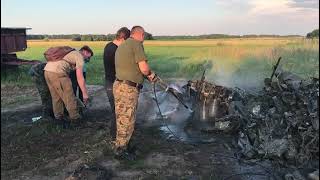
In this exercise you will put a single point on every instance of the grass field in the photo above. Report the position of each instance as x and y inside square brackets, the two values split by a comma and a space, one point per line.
[232, 62]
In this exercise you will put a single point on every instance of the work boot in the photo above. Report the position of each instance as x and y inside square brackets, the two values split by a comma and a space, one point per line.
[133, 149]
[124, 154]
[47, 117]
[60, 122]
[77, 123]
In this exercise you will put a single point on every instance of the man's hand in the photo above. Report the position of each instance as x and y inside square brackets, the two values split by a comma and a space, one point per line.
[152, 77]
[85, 99]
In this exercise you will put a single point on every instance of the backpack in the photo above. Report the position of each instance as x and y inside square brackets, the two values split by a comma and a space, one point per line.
[57, 53]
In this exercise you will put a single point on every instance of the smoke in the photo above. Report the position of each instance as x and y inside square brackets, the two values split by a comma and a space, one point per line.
[244, 75]
[248, 81]
[174, 116]
[172, 111]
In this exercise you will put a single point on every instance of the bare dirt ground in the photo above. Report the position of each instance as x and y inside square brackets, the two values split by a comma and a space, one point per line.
[39, 150]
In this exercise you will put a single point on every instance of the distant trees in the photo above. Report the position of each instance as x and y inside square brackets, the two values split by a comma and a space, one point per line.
[81, 37]
[46, 39]
[86, 38]
[57, 36]
[149, 36]
[33, 36]
[220, 36]
[313, 34]
[76, 37]
[110, 37]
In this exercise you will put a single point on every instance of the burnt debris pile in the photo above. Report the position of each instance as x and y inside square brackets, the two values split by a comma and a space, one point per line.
[280, 122]
[283, 121]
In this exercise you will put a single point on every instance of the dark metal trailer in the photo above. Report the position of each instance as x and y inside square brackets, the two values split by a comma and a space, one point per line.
[14, 40]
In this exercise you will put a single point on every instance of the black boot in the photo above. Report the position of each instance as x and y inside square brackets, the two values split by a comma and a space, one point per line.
[124, 154]
[60, 122]
[77, 123]
[133, 148]
[48, 114]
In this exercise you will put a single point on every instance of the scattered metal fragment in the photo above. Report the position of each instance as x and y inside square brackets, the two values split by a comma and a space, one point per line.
[34, 119]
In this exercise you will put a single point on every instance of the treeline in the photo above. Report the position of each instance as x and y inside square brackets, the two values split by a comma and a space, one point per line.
[313, 34]
[80, 37]
[209, 36]
[148, 36]
[221, 36]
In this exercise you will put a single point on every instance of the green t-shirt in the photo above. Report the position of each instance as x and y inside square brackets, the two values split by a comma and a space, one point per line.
[128, 54]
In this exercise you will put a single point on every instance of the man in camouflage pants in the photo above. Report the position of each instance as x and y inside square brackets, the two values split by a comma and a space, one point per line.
[131, 67]
[110, 72]
[37, 74]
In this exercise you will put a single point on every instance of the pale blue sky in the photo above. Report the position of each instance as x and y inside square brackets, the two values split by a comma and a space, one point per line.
[163, 17]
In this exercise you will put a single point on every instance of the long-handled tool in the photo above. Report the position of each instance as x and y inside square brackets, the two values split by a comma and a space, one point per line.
[172, 91]
[275, 68]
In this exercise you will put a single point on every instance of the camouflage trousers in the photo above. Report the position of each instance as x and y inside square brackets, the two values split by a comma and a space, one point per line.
[61, 91]
[126, 102]
[45, 96]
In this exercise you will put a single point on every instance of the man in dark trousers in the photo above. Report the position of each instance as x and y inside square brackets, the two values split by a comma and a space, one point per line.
[110, 72]
[75, 86]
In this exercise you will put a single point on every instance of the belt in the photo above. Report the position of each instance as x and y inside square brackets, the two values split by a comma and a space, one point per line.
[130, 83]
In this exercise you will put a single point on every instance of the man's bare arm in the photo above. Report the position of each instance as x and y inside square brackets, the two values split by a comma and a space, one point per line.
[145, 70]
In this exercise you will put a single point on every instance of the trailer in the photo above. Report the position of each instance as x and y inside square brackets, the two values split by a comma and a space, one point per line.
[14, 40]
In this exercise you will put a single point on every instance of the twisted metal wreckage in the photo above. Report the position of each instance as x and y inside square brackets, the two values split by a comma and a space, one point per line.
[281, 122]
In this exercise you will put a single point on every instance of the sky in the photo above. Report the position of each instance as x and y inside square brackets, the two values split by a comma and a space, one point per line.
[163, 17]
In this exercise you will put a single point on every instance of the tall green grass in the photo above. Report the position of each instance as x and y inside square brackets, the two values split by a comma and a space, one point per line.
[228, 62]
[233, 65]
[17, 76]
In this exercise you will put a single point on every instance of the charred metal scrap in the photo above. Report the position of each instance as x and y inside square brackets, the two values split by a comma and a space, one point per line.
[216, 108]
[281, 122]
